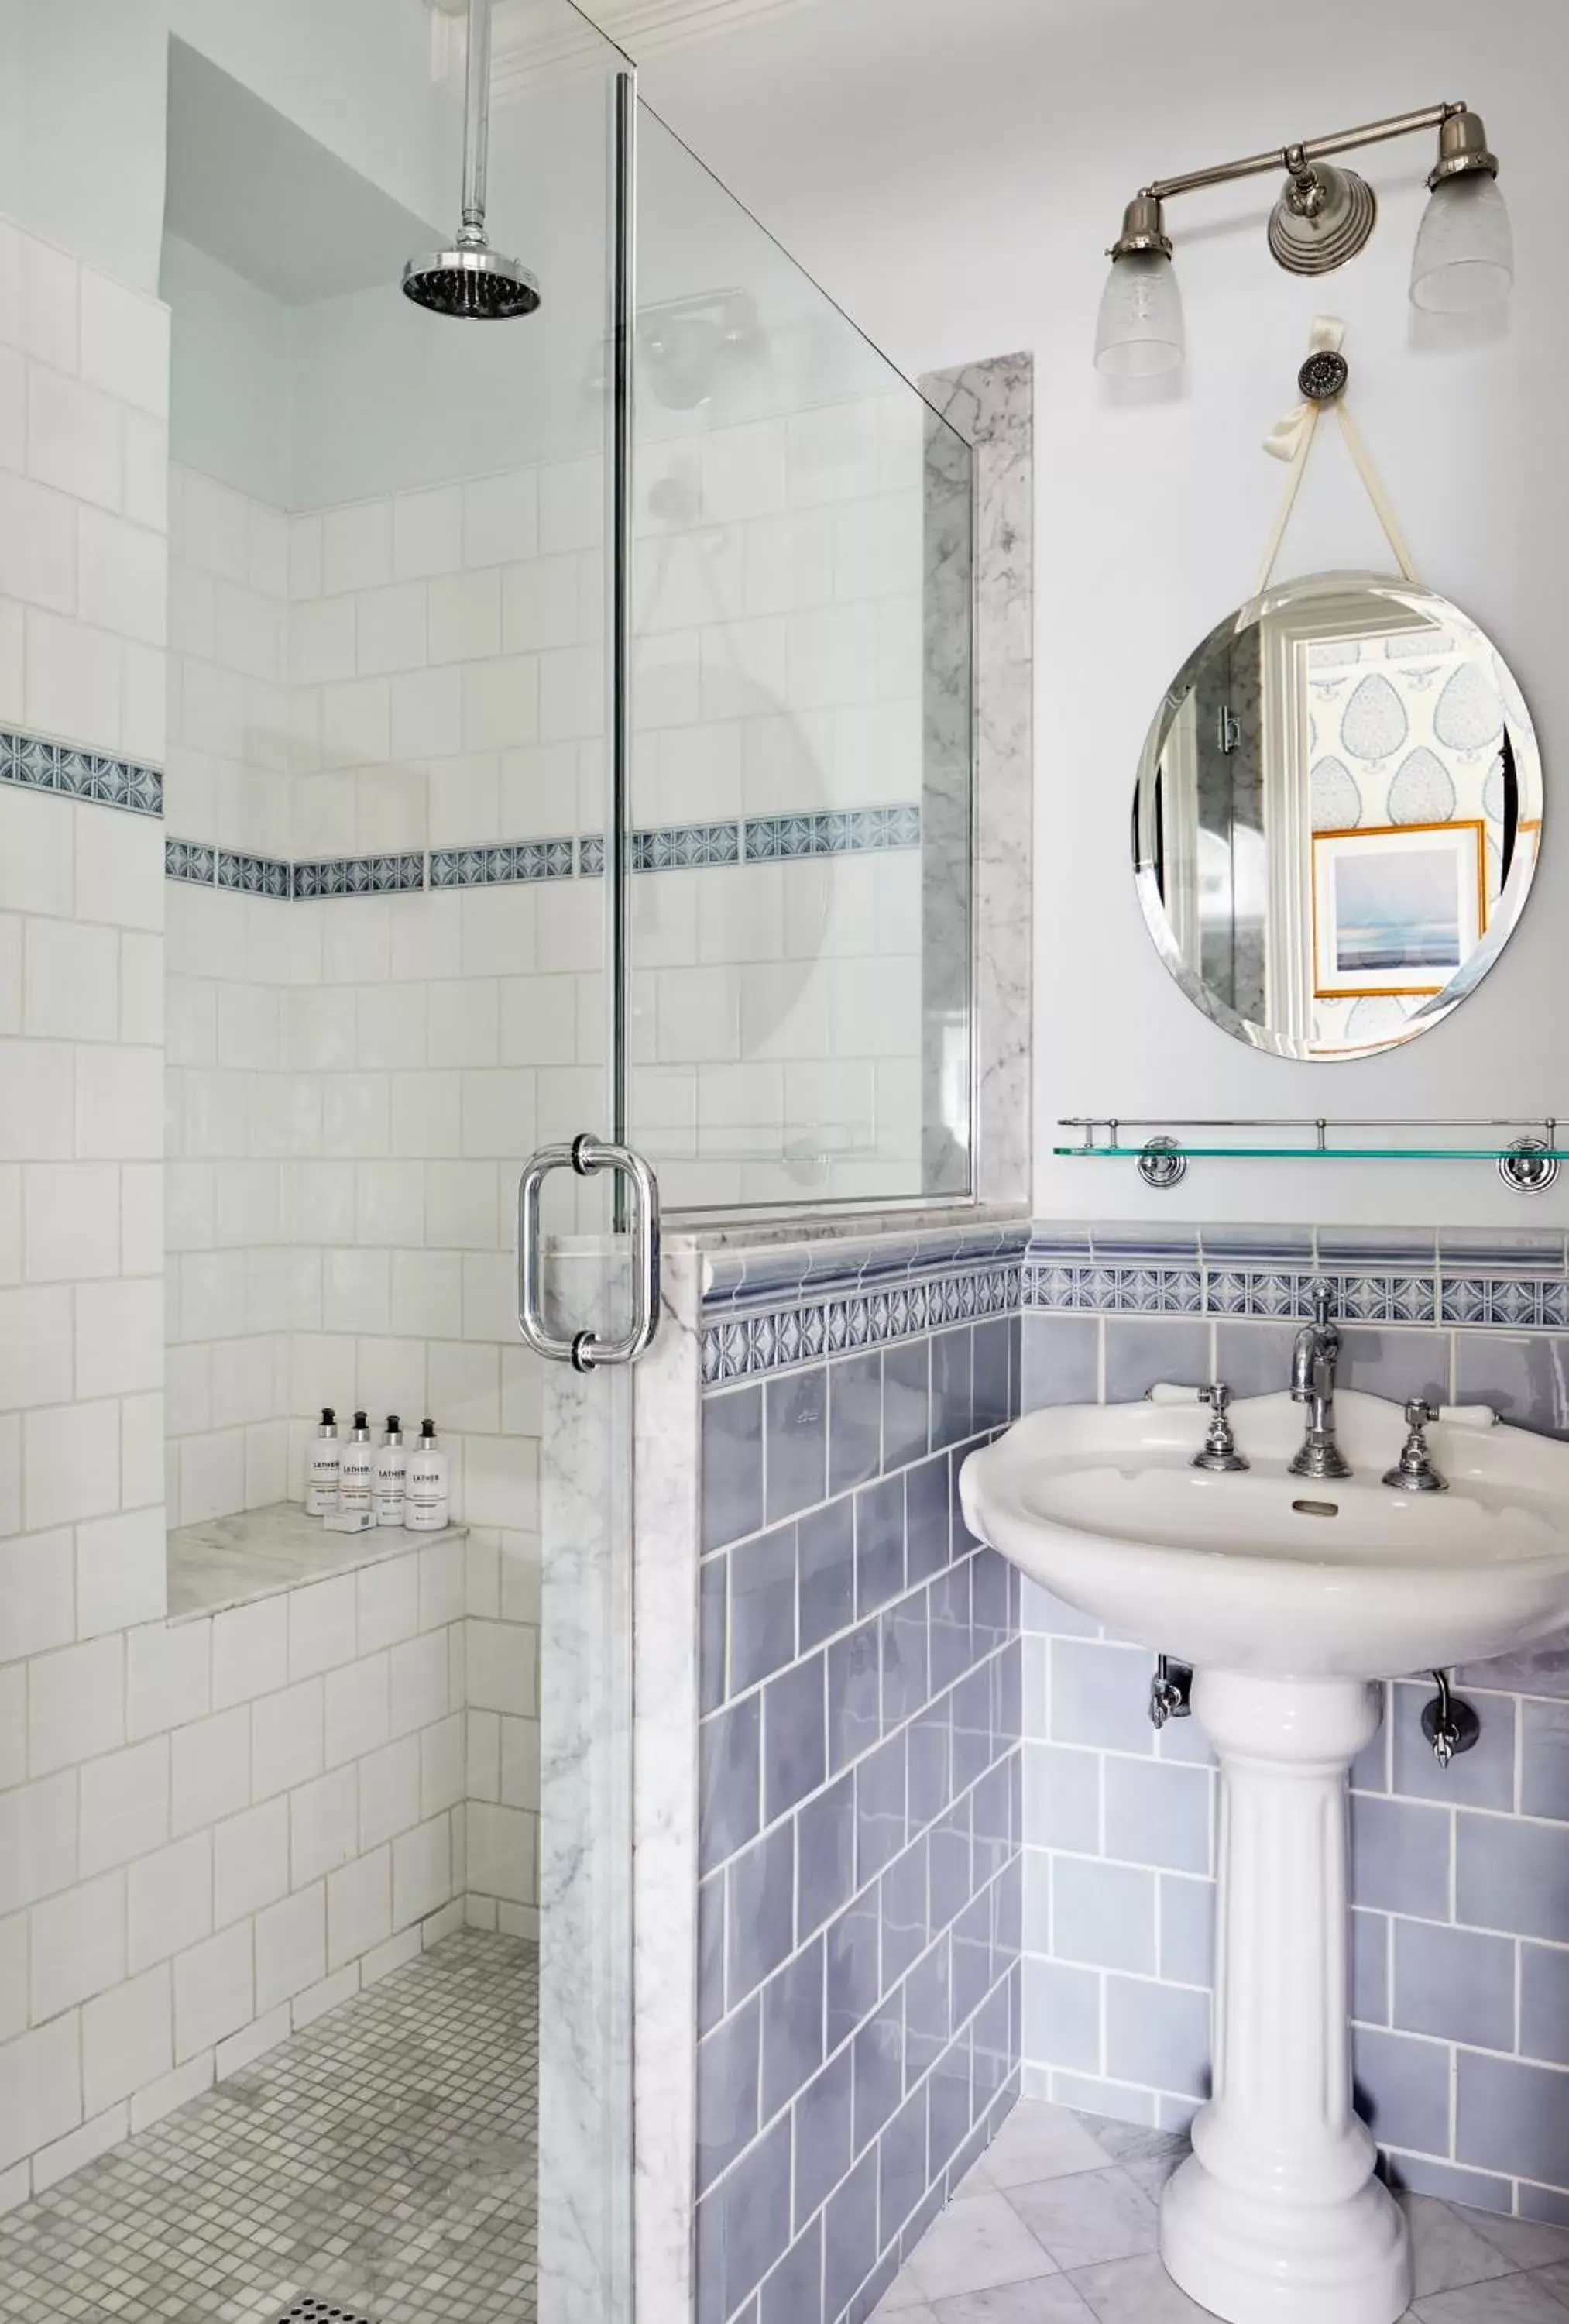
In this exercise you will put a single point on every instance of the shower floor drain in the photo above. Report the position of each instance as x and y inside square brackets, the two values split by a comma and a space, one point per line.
[322, 2312]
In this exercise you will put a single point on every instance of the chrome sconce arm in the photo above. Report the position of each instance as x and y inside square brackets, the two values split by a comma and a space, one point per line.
[1464, 258]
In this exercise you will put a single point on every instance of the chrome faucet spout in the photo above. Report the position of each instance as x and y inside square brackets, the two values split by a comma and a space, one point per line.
[1314, 1360]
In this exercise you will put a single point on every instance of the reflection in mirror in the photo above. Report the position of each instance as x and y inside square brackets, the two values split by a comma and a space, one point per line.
[1338, 816]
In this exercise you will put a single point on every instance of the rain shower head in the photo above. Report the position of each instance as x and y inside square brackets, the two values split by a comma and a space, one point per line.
[472, 279]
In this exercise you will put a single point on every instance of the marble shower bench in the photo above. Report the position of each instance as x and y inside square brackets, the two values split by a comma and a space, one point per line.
[233, 1560]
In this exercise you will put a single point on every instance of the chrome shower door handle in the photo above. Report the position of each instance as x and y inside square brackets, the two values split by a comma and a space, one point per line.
[585, 1351]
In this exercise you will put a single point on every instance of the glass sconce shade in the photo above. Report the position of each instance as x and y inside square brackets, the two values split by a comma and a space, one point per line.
[1140, 327]
[1465, 258]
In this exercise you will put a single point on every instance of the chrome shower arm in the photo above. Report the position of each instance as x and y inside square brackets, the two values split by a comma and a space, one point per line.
[476, 121]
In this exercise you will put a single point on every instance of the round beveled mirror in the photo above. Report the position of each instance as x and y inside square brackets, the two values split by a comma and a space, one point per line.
[1338, 816]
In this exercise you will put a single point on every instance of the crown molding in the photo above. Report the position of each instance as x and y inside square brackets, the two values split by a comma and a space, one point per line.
[540, 41]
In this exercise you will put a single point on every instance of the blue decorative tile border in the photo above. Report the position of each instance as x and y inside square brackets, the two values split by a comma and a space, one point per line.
[502, 866]
[746, 1345]
[34, 764]
[770, 1308]
[360, 875]
[254, 875]
[681, 846]
[851, 831]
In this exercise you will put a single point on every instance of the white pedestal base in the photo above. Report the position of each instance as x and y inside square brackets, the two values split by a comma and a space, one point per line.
[1277, 2218]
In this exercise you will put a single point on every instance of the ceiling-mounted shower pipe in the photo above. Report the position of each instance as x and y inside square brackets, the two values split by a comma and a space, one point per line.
[472, 279]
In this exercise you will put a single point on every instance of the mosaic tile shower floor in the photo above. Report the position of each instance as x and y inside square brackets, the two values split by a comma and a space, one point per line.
[1058, 2224]
[384, 2159]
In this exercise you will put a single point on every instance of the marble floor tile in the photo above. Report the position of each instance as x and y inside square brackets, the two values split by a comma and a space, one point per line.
[1445, 2251]
[1050, 2299]
[1506, 2300]
[1041, 2141]
[1135, 2291]
[976, 2243]
[382, 2161]
[1093, 2216]
[1524, 2243]
[903, 2294]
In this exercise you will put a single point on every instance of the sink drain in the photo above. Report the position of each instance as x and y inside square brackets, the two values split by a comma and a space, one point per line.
[321, 2312]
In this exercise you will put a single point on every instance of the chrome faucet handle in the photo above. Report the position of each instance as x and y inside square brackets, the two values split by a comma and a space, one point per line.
[1218, 1452]
[1414, 1471]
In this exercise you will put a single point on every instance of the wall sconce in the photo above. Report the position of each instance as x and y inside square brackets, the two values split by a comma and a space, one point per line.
[1464, 259]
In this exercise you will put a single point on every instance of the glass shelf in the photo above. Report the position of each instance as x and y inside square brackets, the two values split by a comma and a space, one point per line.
[1308, 1153]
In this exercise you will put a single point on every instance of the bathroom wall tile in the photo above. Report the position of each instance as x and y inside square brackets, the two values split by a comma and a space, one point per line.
[793, 2024]
[1141, 1349]
[1482, 1778]
[1511, 1876]
[992, 1349]
[1187, 1910]
[1396, 1364]
[952, 1387]
[1060, 1362]
[732, 1466]
[928, 1525]
[854, 1696]
[855, 1426]
[1369, 1973]
[1399, 1857]
[1158, 1815]
[1545, 2003]
[1544, 1756]
[1525, 1379]
[1401, 2085]
[1103, 1916]
[1061, 2015]
[1512, 2117]
[727, 2083]
[822, 2123]
[760, 1910]
[879, 1545]
[793, 2292]
[756, 2200]
[762, 1605]
[793, 1737]
[1254, 1359]
[1157, 2035]
[729, 1800]
[854, 1982]
[796, 1432]
[880, 1807]
[906, 1402]
[1100, 1696]
[825, 1566]
[1061, 1796]
[713, 1622]
[1455, 1984]
[850, 2232]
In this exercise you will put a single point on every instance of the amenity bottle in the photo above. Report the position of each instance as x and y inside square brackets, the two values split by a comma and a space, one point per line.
[391, 1466]
[356, 1472]
[426, 1505]
[321, 1468]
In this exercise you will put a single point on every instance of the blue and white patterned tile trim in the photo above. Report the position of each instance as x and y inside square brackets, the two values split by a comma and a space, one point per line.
[503, 865]
[674, 847]
[360, 875]
[850, 831]
[251, 875]
[686, 846]
[770, 1308]
[34, 764]
[744, 1346]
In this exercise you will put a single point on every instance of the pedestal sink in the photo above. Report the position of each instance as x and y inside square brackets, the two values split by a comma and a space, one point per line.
[1287, 1599]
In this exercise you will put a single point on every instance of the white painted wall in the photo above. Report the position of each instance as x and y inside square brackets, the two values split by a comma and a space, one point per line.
[954, 182]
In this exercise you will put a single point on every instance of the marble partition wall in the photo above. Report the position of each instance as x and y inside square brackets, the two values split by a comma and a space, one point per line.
[992, 406]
